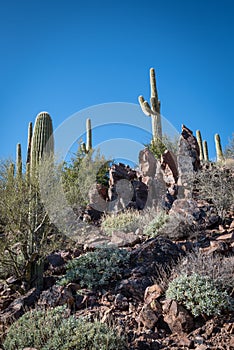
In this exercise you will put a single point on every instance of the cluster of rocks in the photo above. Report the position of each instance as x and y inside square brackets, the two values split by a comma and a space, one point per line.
[136, 304]
[156, 183]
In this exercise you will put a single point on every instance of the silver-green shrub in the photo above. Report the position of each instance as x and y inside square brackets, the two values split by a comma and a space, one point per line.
[98, 268]
[53, 329]
[153, 227]
[126, 221]
[198, 294]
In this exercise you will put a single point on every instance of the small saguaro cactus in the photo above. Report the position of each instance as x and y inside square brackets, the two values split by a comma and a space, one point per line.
[154, 110]
[205, 151]
[18, 162]
[88, 134]
[30, 130]
[87, 147]
[199, 141]
[219, 152]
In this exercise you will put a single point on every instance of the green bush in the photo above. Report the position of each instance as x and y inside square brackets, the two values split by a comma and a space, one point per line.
[52, 329]
[97, 268]
[218, 268]
[82, 173]
[126, 221]
[198, 294]
[153, 227]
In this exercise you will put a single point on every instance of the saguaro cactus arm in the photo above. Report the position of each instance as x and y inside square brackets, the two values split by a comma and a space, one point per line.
[154, 110]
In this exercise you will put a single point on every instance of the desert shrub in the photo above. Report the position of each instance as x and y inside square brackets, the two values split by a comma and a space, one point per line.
[154, 226]
[98, 268]
[126, 221]
[219, 269]
[216, 184]
[26, 226]
[229, 150]
[81, 173]
[198, 294]
[158, 147]
[53, 329]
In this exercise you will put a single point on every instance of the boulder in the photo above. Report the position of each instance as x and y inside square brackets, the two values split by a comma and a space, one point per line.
[188, 161]
[177, 317]
[18, 306]
[147, 163]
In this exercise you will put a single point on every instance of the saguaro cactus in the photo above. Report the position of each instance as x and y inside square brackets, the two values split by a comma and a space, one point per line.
[42, 139]
[88, 134]
[42, 144]
[205, 151]
[219, 152]
[199, 141]
[87, 147]
[154, 110]
[18, 162]
[30, 130]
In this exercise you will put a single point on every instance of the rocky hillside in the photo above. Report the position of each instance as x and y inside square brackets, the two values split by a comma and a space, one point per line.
[159, 275]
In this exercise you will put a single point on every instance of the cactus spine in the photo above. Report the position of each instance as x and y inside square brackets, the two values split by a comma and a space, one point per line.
[219, 152]
[199, 141]
[154, 110]
[205, 151]
[18, 162]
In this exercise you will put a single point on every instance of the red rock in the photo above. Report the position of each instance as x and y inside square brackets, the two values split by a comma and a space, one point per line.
[150, 314]
[177, 317]
[153, 292]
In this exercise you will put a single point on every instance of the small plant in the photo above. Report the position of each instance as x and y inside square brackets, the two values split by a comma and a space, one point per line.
[198, 294]
[153, 228]
[229, 150]
[53, 329]
[126, 221]
[216, 184]
[98, 268]
[219, 269]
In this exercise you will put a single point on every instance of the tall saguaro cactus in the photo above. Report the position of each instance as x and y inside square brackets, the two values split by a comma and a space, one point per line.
[42, 139]
[218, 146]
[154, 110]
[42, 144]
[205, 151]
[199, 141]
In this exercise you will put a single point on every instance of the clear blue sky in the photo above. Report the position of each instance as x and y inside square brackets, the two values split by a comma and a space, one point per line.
[65, 55]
